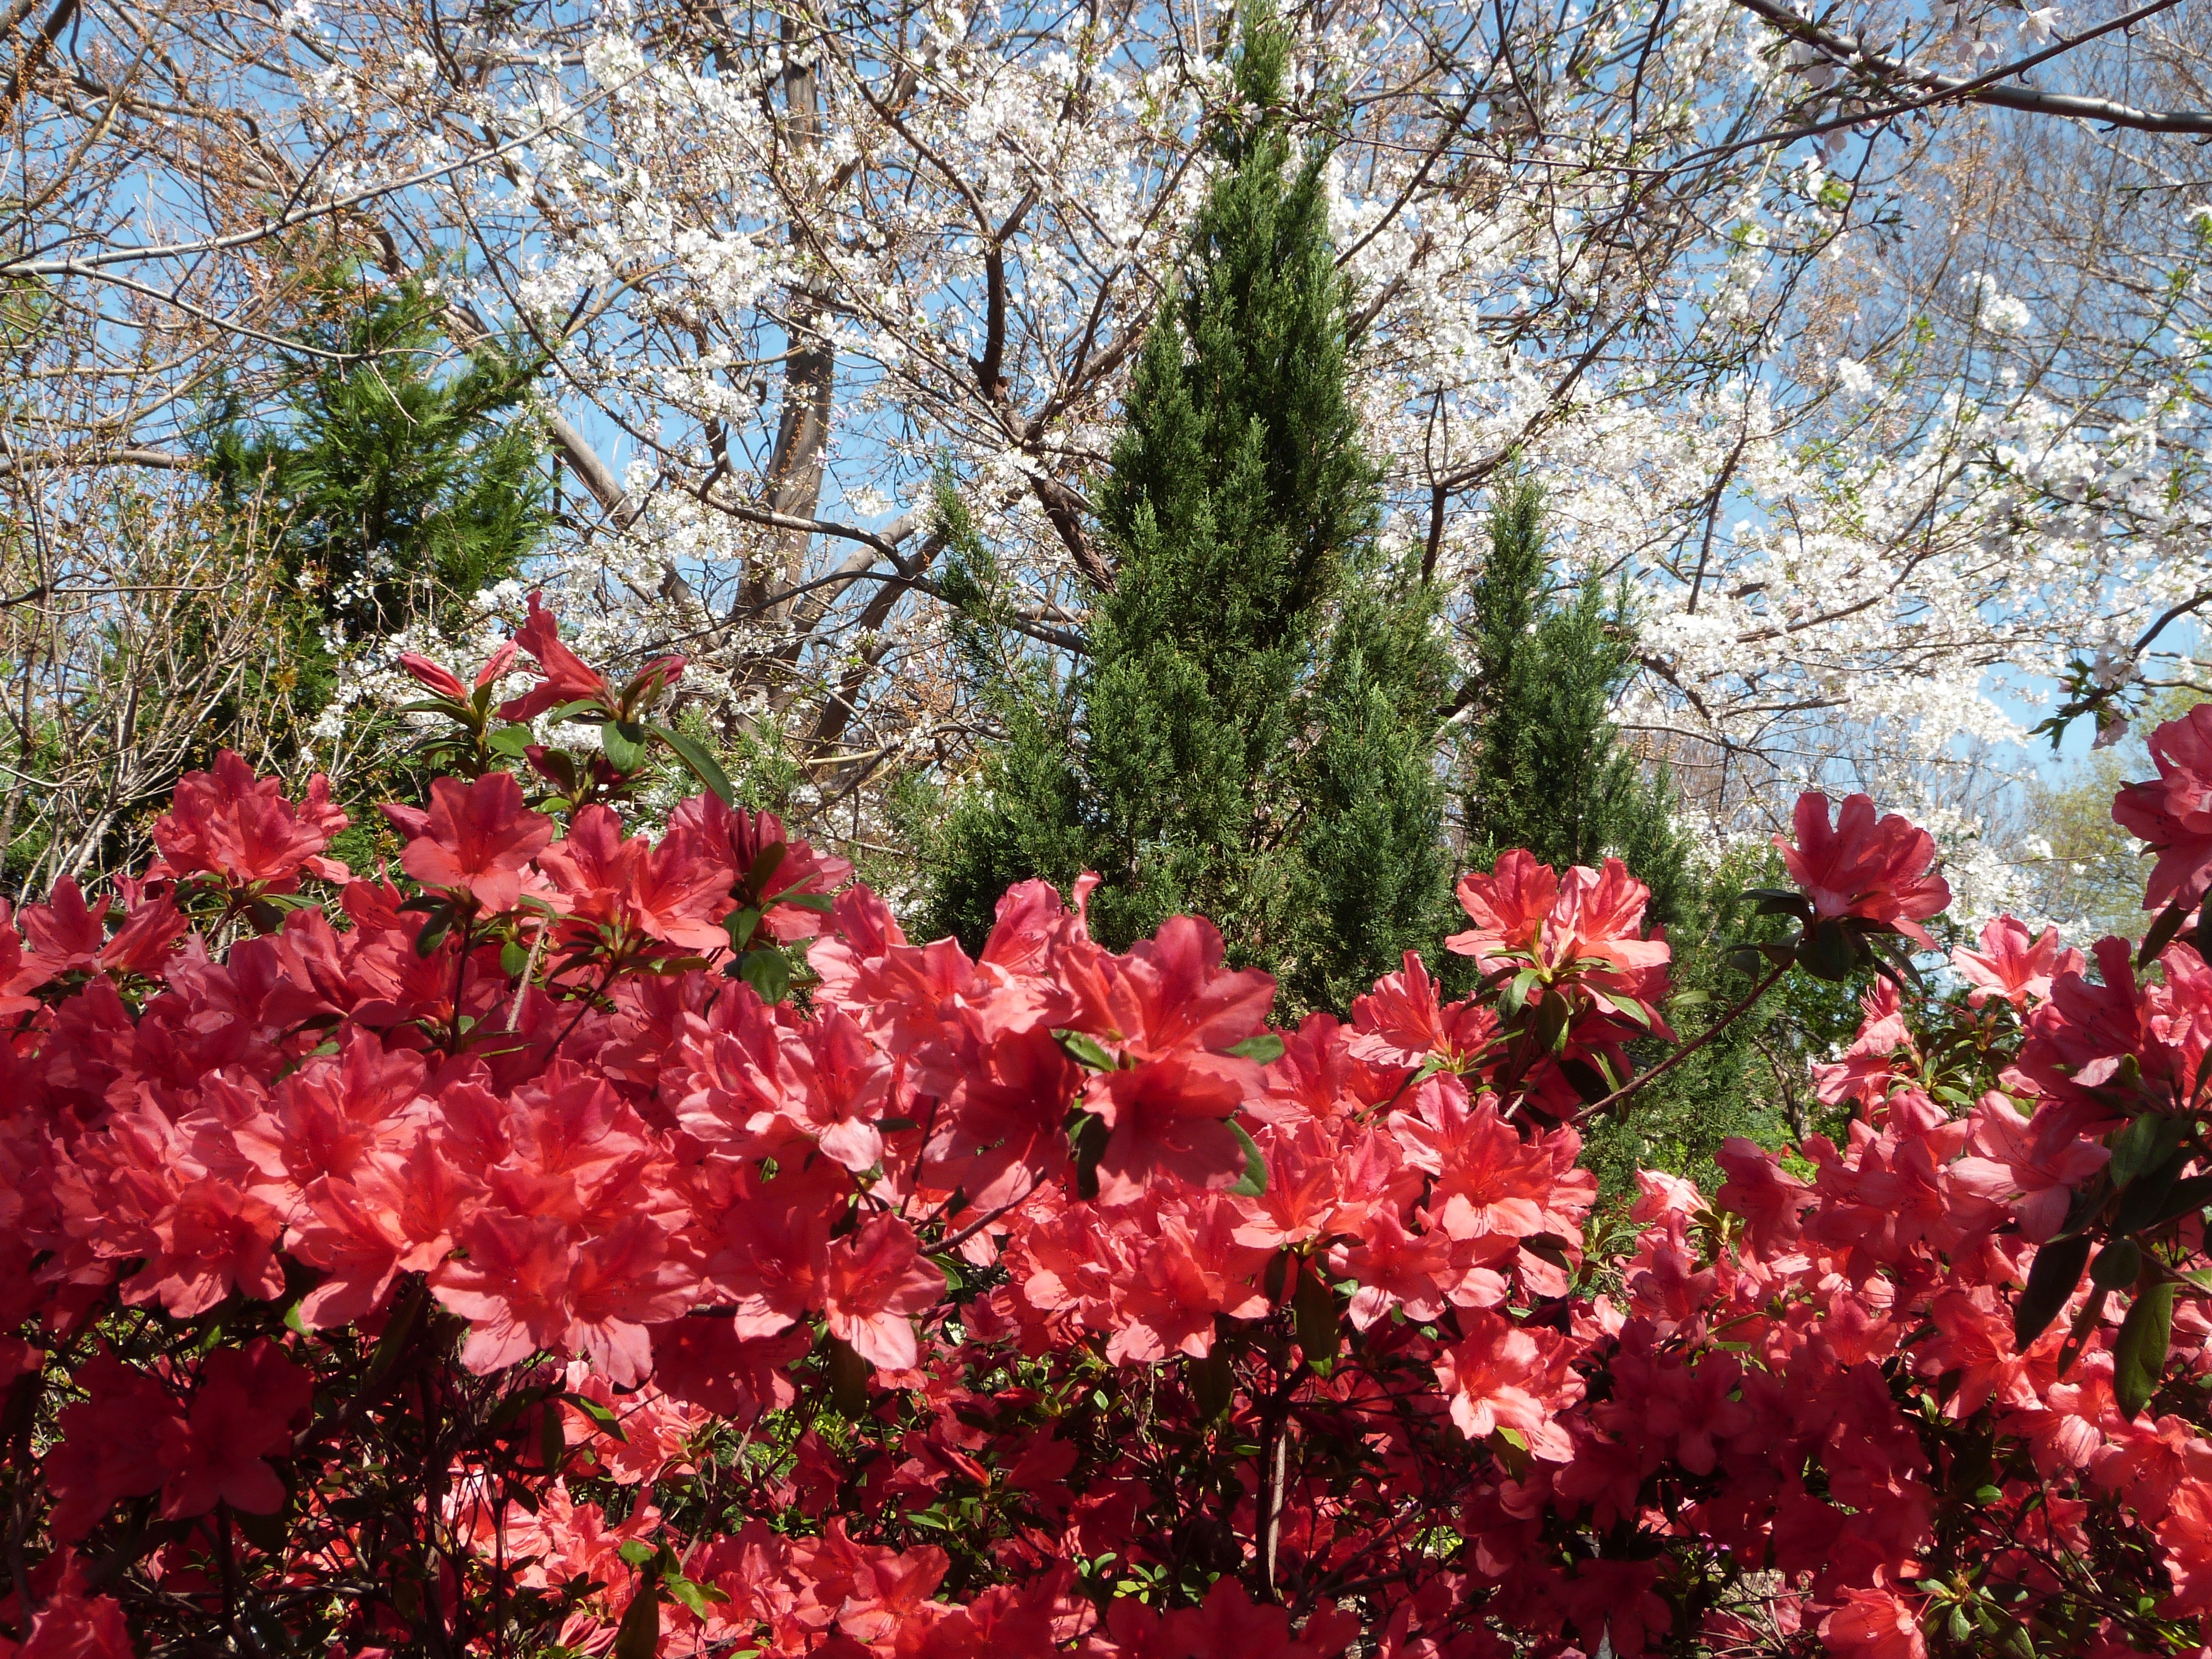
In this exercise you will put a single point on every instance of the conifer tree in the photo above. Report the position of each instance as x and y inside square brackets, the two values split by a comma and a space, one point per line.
[1249, 736]
[392, 494]
[1545, 768]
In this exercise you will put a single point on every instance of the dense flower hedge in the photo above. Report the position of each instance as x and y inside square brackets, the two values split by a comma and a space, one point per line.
[602, 1244]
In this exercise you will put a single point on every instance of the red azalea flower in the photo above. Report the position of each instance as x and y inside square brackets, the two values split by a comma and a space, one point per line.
[2172, 813]
[229, 824]
[565, 677]
[476, 838]
[1879, 871]
[876, 1281]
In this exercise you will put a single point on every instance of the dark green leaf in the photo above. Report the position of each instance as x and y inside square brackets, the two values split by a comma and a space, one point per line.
[822, 903]
[703, 766]
[435, 929]
[2161, 933]
[1265, 1049]
[2116, 1264]
[2184, 1198]
[265, 1532]
[552, 1441]
[1212, 1381]
[1313, 1305]
[396, 1330]
[1090, 1138]
[2139, 1351]
[639, 1635]
[2148, 1194]
[1827, 952]
[1255, 1166]
[739, 925]
[2144, 1143]
[848, 1378]
[764, 868]
[1552, 1016]
[2056, 1271]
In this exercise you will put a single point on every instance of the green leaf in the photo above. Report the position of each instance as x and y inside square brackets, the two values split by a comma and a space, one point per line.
[268, 1530]
[1212, 1381]
[2139, 1351]
[768, 971]
[1089, 1145]
[739, 925]
[1085, 1051]
[552, 1441]
[2056, 1271]
[1827, 952]
[764, 870]
[2143, 1143]
[2161, 933]
[697, 1597]
[623, 742]
[435, 929]
[1256, 1167]
[512, 741]
[1265, 1047]
[1313, 1306]
[1551, 1017]
[608, 1422]
[2183, 1198]
[2148, 1194]
[848, 1378]
[637, 1551]
[703, 766]
[2116, 1264]
[822, 903]
[396, 1330]
[1517, 989]
[639, 1636]
[568, 711]
[1626, 1007]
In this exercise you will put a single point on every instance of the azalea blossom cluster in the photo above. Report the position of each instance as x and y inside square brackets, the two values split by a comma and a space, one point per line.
[1837, 424]
[577, 1242]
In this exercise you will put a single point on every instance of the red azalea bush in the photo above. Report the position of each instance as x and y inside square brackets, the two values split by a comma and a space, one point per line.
[604, 1245]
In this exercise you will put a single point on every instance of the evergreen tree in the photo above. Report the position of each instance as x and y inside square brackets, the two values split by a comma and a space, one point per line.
[390, 494]
[1545, 768]
[1249, 735]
